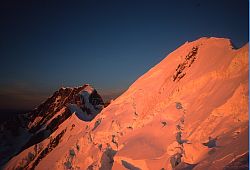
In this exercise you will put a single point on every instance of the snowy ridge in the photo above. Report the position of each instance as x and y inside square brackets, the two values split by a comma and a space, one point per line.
[190, 111]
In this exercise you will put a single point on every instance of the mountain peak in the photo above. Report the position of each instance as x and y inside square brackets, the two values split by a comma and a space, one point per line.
[184, 113]
[210, 41]
[38, 124]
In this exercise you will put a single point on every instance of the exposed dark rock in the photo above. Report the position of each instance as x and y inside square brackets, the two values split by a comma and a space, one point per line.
[189, 59]
[72, 153]
[107, 103]
[182, 120]
[211, 142]
[35, 139]
[179, 139]
[53, 143]
[130, 127]
[69, 159]
[78, 147]
[68, 165]
[185, 166]
[114, 141]
[100, 147]
[178, 127]
[107, 159]
[90, 167]
[51, 106]
[59, 100]
[164, 123]
[31, 156]
[52, 126]
[178, 105]
[95, 99]
[97, 123]
[175, 160]
[129, 165]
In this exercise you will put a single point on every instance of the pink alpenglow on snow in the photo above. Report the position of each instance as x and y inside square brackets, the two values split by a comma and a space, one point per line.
[190, 111]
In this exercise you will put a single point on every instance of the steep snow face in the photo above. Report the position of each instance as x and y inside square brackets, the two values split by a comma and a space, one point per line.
[189, 111]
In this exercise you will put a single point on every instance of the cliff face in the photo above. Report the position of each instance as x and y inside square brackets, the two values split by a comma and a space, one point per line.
[189, 111]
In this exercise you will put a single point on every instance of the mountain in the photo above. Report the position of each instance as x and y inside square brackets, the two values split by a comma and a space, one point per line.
[25, 130]
[190, 111]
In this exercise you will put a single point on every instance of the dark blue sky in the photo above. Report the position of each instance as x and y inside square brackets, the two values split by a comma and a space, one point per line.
[45, 45]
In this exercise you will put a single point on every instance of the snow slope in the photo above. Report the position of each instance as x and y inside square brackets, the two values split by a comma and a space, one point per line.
[190, 111]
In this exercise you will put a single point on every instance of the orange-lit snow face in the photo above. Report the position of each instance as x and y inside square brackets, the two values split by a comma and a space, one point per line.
[199, 120]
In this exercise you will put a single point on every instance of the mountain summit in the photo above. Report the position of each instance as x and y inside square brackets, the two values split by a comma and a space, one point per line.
[190, 111]
[31, 128]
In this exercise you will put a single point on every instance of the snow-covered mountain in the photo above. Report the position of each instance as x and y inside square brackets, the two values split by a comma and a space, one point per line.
[31, 128]
[190, 111]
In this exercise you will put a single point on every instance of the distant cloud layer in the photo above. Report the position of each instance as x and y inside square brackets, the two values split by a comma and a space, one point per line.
[20, 96]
